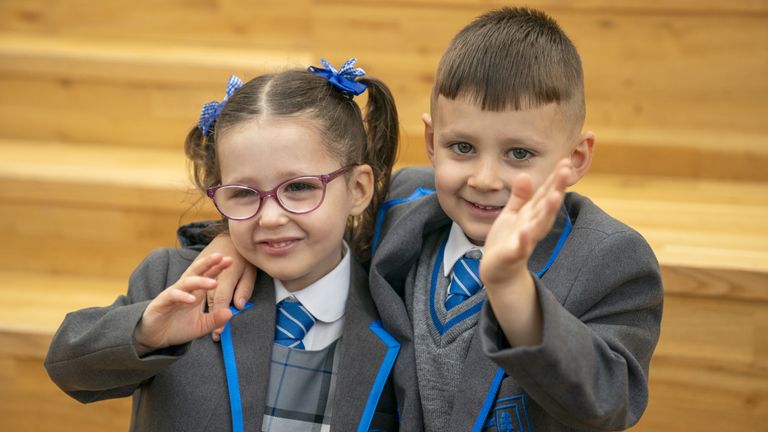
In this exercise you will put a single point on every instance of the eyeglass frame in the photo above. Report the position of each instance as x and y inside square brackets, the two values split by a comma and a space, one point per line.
[263, 195]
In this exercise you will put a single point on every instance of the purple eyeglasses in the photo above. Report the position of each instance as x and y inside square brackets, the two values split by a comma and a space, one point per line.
[298, 195]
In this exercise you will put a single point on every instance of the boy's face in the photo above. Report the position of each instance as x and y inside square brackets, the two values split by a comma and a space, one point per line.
[477, 154]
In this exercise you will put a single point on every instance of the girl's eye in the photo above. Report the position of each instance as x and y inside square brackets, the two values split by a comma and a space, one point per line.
[300, 187]
[243, 193]
[462, 148]
[519, 154]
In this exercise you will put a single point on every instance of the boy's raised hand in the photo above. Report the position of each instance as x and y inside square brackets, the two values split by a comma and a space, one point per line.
[524, 221]
[177, 316]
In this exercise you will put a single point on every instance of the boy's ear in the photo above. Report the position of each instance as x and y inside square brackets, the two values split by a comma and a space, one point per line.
[361, 188]
[429, 137]
[581, 156]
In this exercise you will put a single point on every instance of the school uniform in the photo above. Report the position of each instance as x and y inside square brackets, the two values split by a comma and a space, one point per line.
[599, 287]
[191, 387]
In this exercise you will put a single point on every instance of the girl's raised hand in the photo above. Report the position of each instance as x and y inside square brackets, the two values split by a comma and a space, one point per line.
[177, 316]
[236, 282]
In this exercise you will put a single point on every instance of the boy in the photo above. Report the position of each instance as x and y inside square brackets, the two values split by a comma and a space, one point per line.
[574, 296]
[567, 334]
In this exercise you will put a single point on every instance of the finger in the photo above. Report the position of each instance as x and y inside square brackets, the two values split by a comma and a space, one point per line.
[245, 285]
[194, 283]
[214, 271]
[214, 319]
[557, 180]
[522, 189]
[200, 266]
[174, 295]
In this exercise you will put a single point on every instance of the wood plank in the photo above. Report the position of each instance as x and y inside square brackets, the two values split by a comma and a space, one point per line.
[666, 107]
[129, 94]
[223, 23]
[29, 401]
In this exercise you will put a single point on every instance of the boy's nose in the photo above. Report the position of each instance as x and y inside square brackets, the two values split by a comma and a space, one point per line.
[271, 214]
[486, 177]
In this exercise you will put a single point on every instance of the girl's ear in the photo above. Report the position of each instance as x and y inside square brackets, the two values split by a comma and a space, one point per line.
[581, 156]
[361, 188]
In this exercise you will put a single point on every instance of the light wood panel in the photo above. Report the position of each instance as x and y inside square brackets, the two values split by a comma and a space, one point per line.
[672, 88]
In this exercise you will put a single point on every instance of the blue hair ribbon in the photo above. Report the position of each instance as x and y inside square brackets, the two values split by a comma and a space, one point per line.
[344, 78]
[212, 109]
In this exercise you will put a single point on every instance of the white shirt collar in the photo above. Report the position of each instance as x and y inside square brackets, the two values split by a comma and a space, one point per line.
[458, 244]
[326, 298]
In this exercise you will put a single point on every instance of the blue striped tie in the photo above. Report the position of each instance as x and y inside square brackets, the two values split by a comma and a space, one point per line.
[465, 281]
[293, 321]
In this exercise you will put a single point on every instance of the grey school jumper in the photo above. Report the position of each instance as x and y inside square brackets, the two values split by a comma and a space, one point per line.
[601, 302]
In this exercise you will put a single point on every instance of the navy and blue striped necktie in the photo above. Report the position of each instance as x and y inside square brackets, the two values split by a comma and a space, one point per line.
[465, 281]
[293, 321]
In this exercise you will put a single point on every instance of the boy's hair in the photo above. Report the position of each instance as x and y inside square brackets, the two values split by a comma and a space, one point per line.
[513, 58]
[309, 98]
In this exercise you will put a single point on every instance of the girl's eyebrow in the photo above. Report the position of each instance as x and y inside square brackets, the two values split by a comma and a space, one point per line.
[281, 176]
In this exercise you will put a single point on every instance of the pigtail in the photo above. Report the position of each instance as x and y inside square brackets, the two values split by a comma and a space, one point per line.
[382, 140]
[201, 153]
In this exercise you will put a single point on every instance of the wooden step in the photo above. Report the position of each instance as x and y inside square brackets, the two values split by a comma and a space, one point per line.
[94, 91]
[94, 199]
[92, 210]
[658, 95]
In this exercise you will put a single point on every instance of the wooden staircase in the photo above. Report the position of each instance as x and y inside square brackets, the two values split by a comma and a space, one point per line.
[97, 97]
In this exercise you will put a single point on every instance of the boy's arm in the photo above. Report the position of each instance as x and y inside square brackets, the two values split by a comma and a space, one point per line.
[92, 355]
[525, 220]
[591, 368]
[588, 371]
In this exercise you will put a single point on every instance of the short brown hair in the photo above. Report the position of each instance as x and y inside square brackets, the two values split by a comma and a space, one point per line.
[513, 58]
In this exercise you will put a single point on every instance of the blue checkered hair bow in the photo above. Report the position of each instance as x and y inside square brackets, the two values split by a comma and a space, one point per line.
[212, 109]
[344, 78]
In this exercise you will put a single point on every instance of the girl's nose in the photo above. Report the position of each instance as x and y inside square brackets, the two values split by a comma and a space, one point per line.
[272, 214]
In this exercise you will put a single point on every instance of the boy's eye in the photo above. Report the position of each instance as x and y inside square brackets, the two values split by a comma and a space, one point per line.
[519, 154]
[462, 148]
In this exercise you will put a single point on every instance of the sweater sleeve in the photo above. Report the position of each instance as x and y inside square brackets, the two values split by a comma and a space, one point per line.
[591, 370]
[92, 356]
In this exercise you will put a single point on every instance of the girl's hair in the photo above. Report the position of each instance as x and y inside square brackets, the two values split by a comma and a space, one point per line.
[349, 136]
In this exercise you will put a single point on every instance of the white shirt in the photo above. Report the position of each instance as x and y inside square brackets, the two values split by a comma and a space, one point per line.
[326, 300]
[457, 245]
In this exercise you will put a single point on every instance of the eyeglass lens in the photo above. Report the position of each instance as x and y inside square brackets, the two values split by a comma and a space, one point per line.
[298, 195]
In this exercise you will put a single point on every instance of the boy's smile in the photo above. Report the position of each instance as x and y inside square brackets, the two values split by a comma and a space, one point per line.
[477, 154]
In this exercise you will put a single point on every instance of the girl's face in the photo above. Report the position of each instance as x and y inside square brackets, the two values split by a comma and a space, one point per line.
[297, 249]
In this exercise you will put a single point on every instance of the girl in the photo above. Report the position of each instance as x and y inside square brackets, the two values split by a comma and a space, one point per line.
[294, 169]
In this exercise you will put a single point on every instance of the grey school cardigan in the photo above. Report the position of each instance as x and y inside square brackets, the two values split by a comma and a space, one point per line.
[601, 304]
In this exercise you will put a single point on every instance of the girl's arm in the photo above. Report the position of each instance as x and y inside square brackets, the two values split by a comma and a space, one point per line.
[94, 354]
[177, 316]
